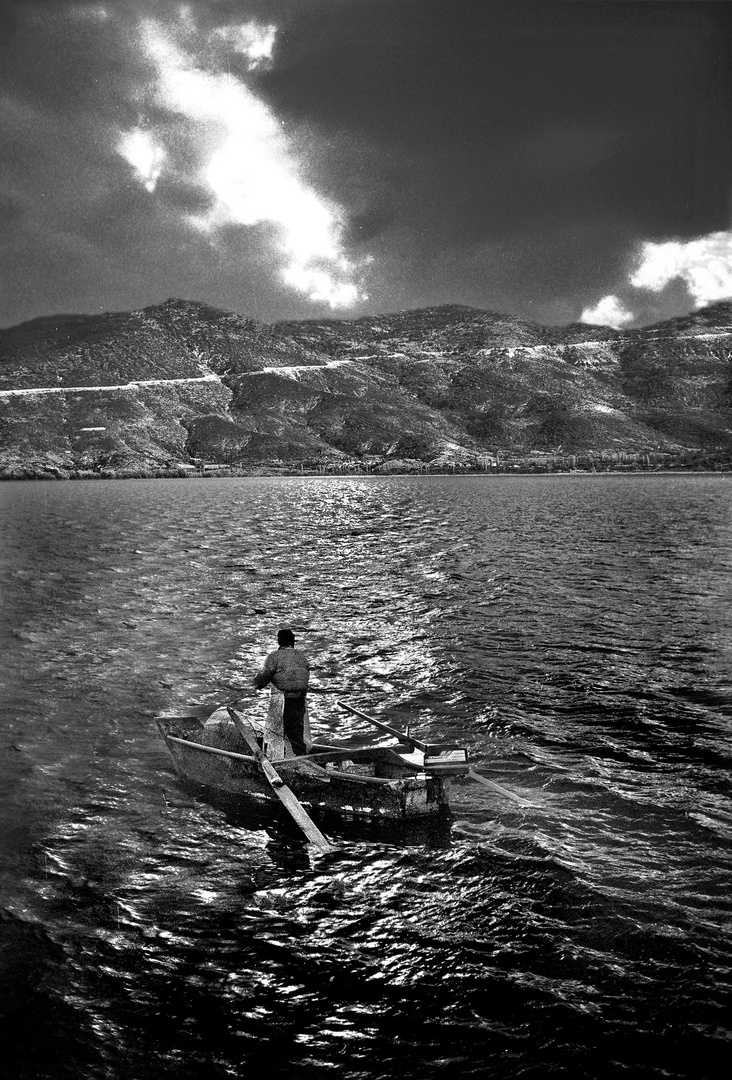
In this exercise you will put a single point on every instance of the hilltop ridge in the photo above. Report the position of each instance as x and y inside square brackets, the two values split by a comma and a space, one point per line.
[444, 386]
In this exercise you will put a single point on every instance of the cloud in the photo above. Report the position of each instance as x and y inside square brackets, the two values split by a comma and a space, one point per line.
[704, 264]
[252, 40]
[608, 312]
[667, 277]
[145, 157]
[237, 152]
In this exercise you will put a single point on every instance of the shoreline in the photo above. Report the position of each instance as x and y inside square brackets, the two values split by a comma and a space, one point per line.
[273, 471]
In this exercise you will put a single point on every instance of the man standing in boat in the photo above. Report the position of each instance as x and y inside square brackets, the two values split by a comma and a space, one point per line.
[287, 672]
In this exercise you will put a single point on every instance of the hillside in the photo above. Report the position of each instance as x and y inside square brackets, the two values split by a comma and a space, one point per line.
[451, 385]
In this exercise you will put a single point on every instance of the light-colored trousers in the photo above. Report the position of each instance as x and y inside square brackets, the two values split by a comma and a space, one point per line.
[276, 743]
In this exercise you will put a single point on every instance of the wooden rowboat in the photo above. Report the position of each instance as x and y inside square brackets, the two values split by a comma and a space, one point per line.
[371, 783]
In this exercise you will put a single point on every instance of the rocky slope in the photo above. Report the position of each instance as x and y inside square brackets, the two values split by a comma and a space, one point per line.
[449, 385]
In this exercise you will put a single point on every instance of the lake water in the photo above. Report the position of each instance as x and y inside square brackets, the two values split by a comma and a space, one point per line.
[574, 632]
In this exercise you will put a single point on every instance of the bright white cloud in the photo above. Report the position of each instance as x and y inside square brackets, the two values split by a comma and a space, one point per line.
[608, 312]
[144, 155]
[248, 164]
[704, 264]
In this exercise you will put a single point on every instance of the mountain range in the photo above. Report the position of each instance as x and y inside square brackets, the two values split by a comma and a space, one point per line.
[181, 383]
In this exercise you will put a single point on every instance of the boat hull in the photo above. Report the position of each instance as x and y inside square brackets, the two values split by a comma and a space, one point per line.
[367, 783]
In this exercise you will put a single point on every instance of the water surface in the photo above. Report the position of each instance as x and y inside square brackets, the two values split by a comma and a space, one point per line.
[574, 632]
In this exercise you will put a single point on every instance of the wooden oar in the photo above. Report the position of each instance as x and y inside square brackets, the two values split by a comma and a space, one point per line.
[426, 748]
[402, 736]
[473, 775]
[287, 797]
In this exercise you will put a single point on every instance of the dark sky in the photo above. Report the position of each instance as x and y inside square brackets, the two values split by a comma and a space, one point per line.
[301, 158]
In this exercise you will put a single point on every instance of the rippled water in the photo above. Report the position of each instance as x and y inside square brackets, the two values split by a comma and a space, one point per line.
[574, 632]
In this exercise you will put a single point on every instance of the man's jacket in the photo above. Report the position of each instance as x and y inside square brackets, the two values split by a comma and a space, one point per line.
[288, 669]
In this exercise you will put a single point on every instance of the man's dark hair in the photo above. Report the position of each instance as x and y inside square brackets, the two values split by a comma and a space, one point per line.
[285, 637]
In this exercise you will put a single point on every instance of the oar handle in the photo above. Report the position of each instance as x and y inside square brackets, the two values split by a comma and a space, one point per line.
[246, 731]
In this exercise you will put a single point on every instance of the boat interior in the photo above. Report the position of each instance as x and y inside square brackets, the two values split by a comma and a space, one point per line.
[377, 762]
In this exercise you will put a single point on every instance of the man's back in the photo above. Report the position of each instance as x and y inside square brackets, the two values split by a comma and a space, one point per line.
[288, 669]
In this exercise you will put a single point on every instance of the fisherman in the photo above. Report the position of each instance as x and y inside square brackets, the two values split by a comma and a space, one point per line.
[286, 671]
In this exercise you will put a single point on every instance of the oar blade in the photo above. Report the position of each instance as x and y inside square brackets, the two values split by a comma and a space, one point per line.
[298, 813]
[479, 778]
[286, 796]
